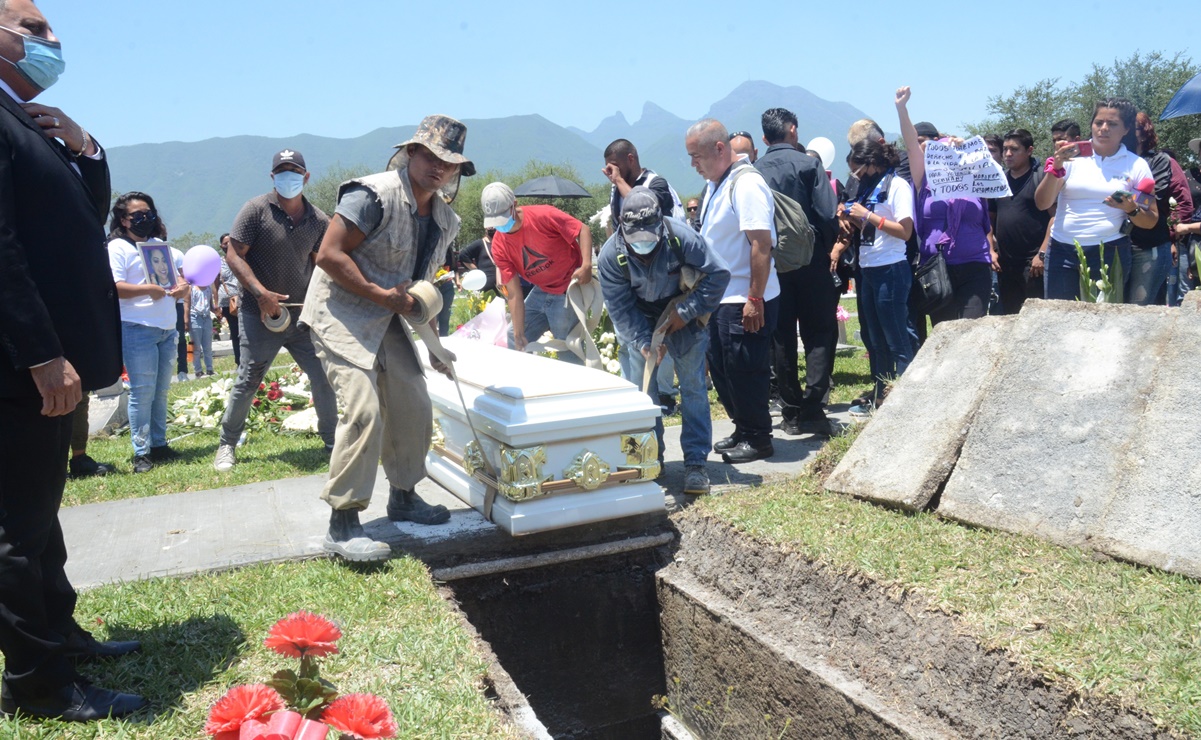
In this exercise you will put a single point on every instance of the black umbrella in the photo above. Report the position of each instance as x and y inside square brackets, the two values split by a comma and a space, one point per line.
[1186, 101]
[551, 186]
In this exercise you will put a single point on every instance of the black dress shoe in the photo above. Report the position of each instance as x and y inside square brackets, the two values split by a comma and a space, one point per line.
[790, 427]
[745, 452]
[83, 466]
[727, 443]
[818, 424]
[79, 701]
[82, 646]
[163, 453]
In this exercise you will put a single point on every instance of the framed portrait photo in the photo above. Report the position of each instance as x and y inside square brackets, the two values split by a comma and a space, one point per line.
[159, 264]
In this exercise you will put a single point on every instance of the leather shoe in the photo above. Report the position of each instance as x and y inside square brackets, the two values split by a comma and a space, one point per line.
[745, 452]
[727, 443]
[78, 701]
[82, 646]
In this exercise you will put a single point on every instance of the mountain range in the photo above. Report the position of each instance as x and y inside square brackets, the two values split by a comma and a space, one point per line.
[199, 186]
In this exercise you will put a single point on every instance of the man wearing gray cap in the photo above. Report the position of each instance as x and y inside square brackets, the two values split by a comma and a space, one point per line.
[271, 248]
[661, 280]
[548, 248]
[389, 231]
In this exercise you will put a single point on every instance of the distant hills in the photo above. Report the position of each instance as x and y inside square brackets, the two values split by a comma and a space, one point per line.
[199, 186]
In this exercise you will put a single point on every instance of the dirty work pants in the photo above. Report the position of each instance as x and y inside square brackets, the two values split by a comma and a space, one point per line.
[386, 413]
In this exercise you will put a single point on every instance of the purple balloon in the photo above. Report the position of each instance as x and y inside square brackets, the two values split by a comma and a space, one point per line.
[201, 265]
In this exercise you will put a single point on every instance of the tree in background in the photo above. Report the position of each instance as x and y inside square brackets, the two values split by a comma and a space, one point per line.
[1149, 81]
[323, 191]
[467, 203]
[189, 239]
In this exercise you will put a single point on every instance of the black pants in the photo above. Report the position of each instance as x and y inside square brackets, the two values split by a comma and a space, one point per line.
[1015, 285]
[37, 602]
[971, 286]
[232, 323]
[808, 302]
[738, 364]
[181, 360]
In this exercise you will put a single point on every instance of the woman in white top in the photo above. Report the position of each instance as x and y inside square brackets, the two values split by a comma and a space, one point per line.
[148, 332]
[1094, 198]
[882, 214]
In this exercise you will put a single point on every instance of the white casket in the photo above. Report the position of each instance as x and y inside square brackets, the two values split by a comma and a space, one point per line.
[569, 445]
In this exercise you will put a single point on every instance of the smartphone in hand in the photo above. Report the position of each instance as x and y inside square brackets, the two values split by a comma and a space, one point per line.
[1121, 195]
[1084, 149]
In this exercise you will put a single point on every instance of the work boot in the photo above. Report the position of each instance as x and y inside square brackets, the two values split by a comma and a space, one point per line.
[347, 539]
[696, 480]
[407, 506]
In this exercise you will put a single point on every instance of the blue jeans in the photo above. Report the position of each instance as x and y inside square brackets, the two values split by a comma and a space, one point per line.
[740, 365]
[1063, 266]
[447, 289]
[149, 354]
[545, 311]
[202, 341]
[665, 376]
[884, 319]
[1148, 273]
[688, 350]
[1178, 281]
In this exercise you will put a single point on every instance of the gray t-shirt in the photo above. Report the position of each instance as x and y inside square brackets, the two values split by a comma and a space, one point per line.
[359, 206]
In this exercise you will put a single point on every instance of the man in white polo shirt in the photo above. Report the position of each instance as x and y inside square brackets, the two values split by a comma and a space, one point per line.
[738, 219]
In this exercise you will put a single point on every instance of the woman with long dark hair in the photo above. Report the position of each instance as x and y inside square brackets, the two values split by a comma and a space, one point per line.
[881, 215]
[1151, 256]
[148, 332]
[1095, 188]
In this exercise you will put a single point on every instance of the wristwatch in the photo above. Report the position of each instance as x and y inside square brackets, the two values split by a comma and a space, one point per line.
[1042, 255]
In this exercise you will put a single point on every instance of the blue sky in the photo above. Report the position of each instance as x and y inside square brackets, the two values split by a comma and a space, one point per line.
[185, 70]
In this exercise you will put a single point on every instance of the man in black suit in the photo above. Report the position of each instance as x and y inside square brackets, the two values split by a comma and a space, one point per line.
[59, 337]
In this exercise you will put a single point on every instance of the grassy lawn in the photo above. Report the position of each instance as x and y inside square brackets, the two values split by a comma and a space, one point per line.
[265, 456]
[204, 634]
[1105, 627]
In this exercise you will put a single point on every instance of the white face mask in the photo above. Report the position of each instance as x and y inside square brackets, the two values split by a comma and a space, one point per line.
[288, 184]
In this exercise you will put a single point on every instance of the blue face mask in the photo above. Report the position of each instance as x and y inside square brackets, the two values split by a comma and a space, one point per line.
[644, 247]
[507, 226]
[43, 62]
[288, 184]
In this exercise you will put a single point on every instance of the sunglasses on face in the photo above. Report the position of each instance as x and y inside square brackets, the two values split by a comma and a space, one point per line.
[142, 217]
[691, 208]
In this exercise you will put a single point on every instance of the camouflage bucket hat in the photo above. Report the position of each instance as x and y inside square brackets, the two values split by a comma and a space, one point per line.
[444, 136]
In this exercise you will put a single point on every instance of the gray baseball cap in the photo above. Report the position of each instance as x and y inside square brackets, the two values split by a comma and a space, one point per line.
[497, 201]
[641, 217]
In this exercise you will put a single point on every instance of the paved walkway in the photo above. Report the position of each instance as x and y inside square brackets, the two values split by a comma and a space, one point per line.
[185, 533]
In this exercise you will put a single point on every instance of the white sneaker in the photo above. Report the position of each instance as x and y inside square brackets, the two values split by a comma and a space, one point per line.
[225, 459]
[182, 377]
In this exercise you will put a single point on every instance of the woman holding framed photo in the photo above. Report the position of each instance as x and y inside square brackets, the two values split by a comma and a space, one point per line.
[147, 285]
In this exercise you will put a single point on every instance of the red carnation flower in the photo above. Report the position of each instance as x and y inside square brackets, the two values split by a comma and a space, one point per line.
[363, 716]
[262, 387]
[257, 402]
[275, 386]
[242, 704]
[303, 634]
[274, 394]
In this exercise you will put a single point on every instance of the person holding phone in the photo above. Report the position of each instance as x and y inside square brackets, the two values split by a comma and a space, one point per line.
[1084, 178]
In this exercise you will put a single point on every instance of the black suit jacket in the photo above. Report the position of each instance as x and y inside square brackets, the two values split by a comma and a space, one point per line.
[56, 288]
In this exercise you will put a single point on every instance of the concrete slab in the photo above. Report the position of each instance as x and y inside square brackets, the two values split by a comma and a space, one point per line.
[108, 413]
[200, 531]
[1046, 445]
[1154, 514]
[911, 445]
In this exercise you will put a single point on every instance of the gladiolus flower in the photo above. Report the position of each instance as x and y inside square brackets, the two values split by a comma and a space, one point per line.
[363, 716]
[242, 704]
[274, 394]
[303, 634]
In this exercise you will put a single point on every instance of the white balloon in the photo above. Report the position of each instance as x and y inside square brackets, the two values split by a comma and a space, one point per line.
[825, 148]
[474, 280]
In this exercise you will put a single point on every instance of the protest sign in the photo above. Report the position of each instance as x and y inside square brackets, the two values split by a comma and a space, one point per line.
[964, 170]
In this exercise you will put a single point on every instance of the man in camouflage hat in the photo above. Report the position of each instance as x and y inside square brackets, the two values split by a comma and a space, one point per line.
[388, 231]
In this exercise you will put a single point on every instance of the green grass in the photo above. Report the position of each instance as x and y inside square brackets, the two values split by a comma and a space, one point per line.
[1114, 629]
[204, 634]
[265, 456]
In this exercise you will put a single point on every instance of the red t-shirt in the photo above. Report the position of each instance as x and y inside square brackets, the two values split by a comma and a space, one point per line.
[543, 251]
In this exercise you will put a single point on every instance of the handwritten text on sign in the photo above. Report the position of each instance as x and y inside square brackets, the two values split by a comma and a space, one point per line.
[964, 171]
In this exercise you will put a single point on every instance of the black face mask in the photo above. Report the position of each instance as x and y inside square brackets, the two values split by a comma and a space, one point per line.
[143, 224]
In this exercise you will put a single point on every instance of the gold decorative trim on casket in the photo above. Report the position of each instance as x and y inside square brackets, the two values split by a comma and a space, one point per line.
[438, 438]
[521, 475]
[642, 454]
[473, 458]
[588, 470]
